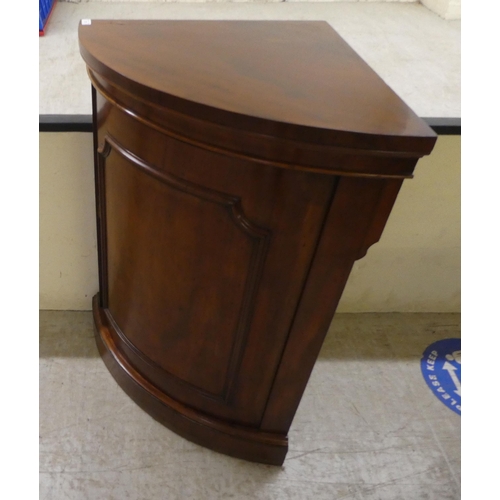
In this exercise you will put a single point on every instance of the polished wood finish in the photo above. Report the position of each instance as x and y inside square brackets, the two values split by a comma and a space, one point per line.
[241, 168]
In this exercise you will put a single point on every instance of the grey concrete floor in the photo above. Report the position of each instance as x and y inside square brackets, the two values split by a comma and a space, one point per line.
[368, 427]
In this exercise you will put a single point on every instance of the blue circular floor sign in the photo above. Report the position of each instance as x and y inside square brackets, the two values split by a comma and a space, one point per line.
[441, 367]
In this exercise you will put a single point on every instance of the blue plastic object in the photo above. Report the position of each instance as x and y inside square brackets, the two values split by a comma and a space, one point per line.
[46, 7]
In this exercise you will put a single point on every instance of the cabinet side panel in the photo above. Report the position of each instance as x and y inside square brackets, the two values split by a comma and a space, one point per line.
[358, 212]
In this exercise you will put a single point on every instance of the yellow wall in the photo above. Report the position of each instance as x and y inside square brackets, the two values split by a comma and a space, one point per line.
[68, 255]
[416, 264]
[414, 267]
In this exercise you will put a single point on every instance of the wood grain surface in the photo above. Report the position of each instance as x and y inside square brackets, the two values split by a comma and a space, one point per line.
[241, 169]
[290, 79]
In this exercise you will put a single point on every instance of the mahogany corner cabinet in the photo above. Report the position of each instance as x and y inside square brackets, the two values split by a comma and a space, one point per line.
[241, 168]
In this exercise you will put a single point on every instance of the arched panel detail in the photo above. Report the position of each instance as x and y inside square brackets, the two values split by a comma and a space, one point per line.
[258, 237]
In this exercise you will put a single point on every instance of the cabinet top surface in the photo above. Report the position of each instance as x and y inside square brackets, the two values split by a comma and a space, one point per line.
[286, 78]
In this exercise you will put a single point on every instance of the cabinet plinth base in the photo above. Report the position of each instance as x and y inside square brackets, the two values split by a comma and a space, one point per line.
[218, 435]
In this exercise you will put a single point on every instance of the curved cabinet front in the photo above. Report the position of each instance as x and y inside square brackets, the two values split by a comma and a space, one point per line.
[222, 261]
